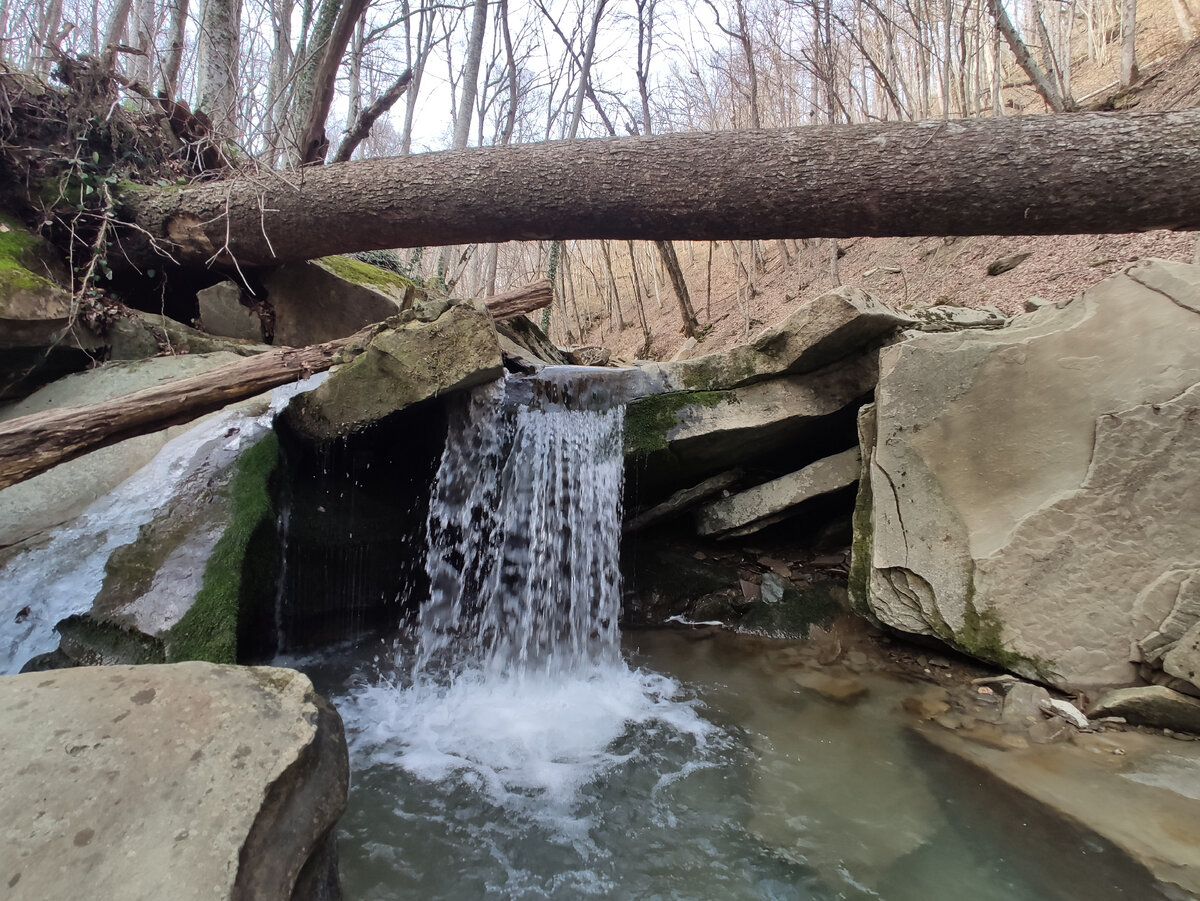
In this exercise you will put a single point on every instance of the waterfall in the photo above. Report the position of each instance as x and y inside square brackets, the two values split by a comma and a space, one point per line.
[512, 683]
[524, 529]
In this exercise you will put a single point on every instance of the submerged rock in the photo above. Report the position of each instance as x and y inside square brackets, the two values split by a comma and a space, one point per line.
[1028, 484]
[189, 781]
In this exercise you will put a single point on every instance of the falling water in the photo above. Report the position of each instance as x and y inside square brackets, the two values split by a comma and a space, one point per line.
[512, 682]
[524, 532]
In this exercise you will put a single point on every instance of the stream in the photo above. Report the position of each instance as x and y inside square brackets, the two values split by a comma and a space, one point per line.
[511, 744]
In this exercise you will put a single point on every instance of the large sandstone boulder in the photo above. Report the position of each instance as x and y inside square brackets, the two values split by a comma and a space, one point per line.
[1028, 487]
[419, 358]
[331, 298]
[189, 781]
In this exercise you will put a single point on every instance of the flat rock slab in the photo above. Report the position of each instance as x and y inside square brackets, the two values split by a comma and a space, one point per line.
[190, 781]
[1151, 705]
[1139, 792]
[766, 504]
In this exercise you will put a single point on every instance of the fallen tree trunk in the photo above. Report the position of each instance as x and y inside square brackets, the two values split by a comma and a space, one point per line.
[521, 300]
[32, 444]
[1080, 173]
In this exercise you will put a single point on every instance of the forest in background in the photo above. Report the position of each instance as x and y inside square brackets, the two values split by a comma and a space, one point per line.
[284, 83]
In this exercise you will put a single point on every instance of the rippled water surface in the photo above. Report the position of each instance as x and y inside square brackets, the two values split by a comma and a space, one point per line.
[696, 769]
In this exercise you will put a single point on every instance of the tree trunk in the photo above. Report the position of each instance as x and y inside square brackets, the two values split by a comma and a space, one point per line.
[32, 444]
[1077, 174]
[311, 142]
[521, 300]
[361, 127]
[1042, 82]
[176, 34]
[666, 250]
[1129, 68]
[470, 75]
[217, 78]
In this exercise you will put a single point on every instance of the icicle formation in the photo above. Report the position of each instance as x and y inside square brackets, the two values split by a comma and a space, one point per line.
[524, 529]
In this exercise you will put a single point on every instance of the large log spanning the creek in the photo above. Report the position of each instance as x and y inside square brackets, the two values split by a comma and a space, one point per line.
[1074, 173]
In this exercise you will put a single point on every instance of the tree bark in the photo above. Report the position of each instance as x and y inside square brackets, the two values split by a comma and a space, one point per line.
[1076, 174]
[217, 79]
[32, 444]
[521, 300]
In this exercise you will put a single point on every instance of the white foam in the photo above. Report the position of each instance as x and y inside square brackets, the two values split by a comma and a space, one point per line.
[530, 742]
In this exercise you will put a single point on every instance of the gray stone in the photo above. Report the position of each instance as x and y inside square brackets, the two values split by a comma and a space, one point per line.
[685, 499]
[827, 329]
[400, 367]
[588, 355]
[951, 319]
[331, 298]
[683, 436]
[222, 313]
[54, 497]
[1064, 710]
[1151, 705]
[1022, 704]
[138, 335]
[1008, 263]
[189, 781]
[1028, 483]
[529, 341]
[763, 505]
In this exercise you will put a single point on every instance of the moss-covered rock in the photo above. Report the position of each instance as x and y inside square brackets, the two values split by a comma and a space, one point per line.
[401, 366]
[37, 339]
[333, 297]
[241, 572]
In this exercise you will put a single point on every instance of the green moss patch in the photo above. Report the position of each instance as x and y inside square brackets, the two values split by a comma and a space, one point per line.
[361, 273]
[242, 564]
[19, 258]
[649, 420]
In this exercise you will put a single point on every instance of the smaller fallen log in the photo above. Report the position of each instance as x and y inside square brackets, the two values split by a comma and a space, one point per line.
[521, 300]
[32, 444]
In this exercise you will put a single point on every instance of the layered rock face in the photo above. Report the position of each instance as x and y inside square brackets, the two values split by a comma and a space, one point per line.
[187, 781]
[1029, 493]
[778, 405]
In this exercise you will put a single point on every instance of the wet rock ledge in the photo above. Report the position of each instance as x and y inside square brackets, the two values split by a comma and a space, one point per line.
[185, 781]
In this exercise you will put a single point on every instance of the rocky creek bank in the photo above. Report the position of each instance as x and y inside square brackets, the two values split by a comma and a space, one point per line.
[1011, 495]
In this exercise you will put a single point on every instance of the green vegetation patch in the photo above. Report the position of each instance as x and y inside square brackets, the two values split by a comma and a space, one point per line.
[18, 258]
[238, 567]
[91, 642]
[718, 371]
[649, 420]
[361, 273]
